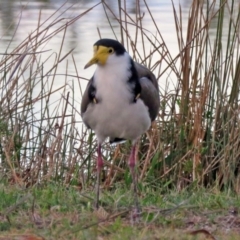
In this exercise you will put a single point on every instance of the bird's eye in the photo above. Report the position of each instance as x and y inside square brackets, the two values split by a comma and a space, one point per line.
[110, 50]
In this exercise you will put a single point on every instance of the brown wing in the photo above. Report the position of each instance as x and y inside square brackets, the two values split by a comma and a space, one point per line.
[87, 96]
[149, 93]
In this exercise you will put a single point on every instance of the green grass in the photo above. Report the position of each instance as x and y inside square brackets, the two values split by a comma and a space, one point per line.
[54, 211]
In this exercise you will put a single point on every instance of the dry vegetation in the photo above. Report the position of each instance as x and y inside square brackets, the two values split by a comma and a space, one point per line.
[195, 140]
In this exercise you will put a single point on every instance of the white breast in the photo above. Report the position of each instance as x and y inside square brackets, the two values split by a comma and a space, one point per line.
[115, 115]
[111, 79]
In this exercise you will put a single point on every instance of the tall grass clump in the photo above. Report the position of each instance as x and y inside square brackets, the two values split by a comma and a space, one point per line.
[206, 149]
[195, 138]
[38, 113]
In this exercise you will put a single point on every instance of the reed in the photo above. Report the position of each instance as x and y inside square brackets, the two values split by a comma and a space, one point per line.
[195, 138]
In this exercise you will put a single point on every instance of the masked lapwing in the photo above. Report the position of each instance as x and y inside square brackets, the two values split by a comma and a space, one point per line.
[120, 101]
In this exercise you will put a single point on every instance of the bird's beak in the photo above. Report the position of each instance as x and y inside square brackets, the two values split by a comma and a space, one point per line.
[94, 60]
[99, 57]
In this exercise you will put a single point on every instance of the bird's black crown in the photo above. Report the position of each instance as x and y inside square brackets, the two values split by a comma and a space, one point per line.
[117, 46]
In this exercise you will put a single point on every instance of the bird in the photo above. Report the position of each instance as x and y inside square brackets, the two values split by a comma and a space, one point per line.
[120, 102]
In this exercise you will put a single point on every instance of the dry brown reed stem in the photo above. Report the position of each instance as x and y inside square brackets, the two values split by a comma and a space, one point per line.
[56, 145]
[112, 172]
[148, 158]
[14, 178]
[116, 174]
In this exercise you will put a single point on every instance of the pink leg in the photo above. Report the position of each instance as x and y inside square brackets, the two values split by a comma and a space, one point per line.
[132, 164]
[99, 168]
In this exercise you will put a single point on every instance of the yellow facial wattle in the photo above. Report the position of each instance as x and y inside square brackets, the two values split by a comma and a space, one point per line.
[100, 55]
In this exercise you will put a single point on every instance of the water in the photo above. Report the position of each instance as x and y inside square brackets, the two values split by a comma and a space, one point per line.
[20, 18]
